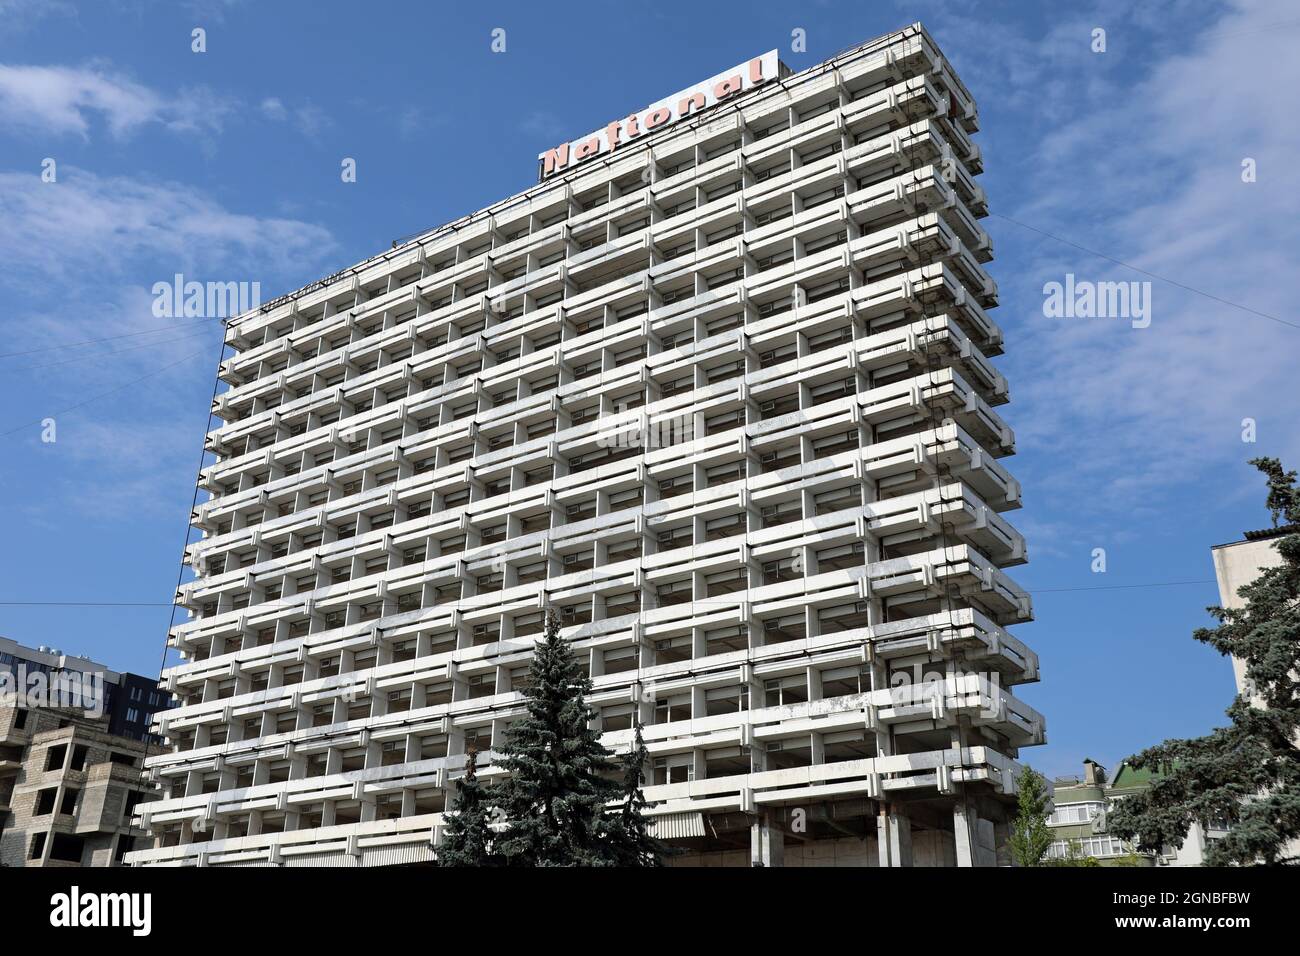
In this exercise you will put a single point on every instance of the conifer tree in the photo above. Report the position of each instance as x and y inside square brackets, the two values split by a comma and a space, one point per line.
[1030, 837]
[560, 776]
[628, 828]
[468, 839]
[1248, 773]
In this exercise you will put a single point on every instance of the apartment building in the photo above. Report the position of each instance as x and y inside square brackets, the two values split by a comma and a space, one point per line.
[1080, 807]
[1236, 564]
[72, 746]
[125, 701]
[718, 390]
[1239, 563]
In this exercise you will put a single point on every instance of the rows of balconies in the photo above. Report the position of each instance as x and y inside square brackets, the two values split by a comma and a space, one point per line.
[895, 463]
[821, 523]
[462, 240]
[408, 558]
[402, 338]
[711, 711]
[705, 714]
[433, 365]
[794, 444]
[583, 543]
[723, 579]
[821, 605]
[774, 350]
[670, 643]
[378, 840]
[568, 505]
[347, 818]
[927, 281]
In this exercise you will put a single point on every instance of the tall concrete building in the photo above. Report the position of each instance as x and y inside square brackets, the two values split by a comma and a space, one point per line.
[72, 744]
[1239, 563]
[718, 390]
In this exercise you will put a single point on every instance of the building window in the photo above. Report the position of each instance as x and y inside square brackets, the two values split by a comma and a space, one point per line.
[1075, 812]
[45, 801]
[1095, 846]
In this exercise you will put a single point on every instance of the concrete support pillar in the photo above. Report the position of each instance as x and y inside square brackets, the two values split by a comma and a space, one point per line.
[963, 828]
[894, 837]
[767, 842]
[1002, 843]
[975, 836]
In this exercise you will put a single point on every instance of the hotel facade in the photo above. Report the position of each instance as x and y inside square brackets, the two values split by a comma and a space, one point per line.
[718, 391]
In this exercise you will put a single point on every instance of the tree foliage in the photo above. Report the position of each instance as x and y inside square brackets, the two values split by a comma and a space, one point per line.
[628, 827]
[561, 800]
[468, 838]
[1247, 773]
[1030, 836]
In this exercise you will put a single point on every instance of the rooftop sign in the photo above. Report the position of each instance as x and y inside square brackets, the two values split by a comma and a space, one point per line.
[694, 99]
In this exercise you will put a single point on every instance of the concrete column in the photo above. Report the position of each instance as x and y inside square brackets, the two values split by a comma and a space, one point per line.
[963, 828]
[1002, 843]
[894, 837]
[767, 842]
[975, 836]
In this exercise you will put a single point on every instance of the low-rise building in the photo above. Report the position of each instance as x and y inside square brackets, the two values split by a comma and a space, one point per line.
[1079, 820]
[72, 746]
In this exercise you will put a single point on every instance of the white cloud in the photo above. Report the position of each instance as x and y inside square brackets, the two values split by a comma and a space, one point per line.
[64, 100]
[410, 122]
[81, 256]
[1148, 172]
[106, 224]
[19, 15]
[310, 120]
[273, 109]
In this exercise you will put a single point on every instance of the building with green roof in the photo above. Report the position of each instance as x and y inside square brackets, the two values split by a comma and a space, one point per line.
[1079, 810]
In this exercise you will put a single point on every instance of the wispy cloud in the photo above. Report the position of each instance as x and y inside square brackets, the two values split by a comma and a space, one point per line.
[411, 121]
[273, 108]
[311, 120]
[541, 124]
[17, 16]
[64, 100]
[1147, 172]
[106, 224]
[81, 255]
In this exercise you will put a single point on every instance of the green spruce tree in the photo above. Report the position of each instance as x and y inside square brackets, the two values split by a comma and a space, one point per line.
[559, 773]
[627, 827]
[1248, 773]
[1030, 836]
[468, 839]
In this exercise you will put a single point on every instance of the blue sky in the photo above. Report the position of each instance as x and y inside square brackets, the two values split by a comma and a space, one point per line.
[225, 165]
